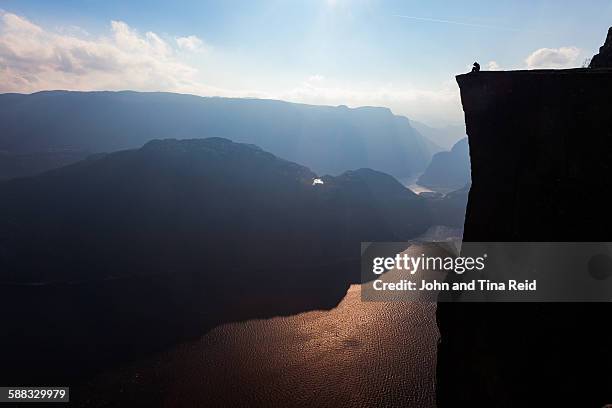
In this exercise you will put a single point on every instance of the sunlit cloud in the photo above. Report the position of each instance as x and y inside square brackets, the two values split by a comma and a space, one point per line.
[317, 79]
[493, 66]
[563, 57]
[33, 59]
[190, 43]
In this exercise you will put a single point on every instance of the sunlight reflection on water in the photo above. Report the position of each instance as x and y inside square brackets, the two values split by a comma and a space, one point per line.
[359, 354]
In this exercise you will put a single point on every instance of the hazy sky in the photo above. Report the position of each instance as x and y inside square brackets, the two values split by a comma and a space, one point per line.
[399, 54]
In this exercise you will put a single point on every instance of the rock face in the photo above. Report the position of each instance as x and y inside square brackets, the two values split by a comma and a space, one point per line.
[541, 160]
[604, 58]
[448, 170]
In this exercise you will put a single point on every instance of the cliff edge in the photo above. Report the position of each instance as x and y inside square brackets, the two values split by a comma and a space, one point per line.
[541, 164]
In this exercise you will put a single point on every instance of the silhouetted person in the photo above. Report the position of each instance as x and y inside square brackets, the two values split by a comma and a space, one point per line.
[476, 67]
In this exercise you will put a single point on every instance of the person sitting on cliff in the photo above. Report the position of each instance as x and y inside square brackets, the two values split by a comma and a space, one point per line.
[476, 67]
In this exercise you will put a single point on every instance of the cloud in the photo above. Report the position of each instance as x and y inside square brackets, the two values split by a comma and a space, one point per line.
[73, 30]
[315, 79]
[563, 57]
[33, 59]
[493, 66]
[190, 43]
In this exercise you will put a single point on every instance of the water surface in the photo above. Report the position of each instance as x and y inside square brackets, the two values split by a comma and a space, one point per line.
[360, 354]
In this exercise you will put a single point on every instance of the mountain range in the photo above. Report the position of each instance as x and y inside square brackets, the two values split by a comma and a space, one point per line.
[122, 215]
[184, 199]
[329, 140]
[139, 248]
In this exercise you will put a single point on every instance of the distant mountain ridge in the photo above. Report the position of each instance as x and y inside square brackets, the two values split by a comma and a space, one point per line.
[329, 140]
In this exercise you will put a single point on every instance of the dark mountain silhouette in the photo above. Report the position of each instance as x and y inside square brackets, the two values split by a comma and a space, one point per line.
[448, 169]
[603, 59]
[126, 252]
[14, 165]
[327, 139]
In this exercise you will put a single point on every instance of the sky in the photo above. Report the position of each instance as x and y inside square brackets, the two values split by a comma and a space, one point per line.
[399, 54]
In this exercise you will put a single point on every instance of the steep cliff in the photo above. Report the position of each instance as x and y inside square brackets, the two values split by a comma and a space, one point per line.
[541, 159]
